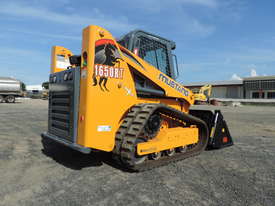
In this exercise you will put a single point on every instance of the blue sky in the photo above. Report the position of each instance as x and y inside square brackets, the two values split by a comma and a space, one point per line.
[215, 38]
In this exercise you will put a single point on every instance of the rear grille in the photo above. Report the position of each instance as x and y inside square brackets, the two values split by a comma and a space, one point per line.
[63, 104]
[60, 114]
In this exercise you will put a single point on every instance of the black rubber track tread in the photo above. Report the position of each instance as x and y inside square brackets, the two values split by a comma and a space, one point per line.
[122, 131]
[126, 137]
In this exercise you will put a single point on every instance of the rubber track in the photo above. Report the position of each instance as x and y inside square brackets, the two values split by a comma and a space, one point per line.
[132, 128]
[127, 121]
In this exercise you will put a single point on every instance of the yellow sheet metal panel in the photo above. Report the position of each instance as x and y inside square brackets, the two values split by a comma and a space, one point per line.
[60, 58]
[107, 88]
[169, 138]
[106, 92]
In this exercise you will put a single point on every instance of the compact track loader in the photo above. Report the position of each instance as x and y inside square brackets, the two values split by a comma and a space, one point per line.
[121, 96]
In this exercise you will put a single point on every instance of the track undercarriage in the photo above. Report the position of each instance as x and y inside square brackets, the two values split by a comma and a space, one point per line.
[142, 124]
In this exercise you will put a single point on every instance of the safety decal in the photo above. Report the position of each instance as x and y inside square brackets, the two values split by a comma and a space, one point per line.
[104, 128]
[62, 62]
[84, 73]
[106, 57]
[128, 91]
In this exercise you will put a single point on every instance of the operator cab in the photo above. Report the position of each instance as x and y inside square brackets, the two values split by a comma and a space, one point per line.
[154, 49]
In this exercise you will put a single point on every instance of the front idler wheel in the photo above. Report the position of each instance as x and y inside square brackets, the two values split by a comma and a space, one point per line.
[153, 125]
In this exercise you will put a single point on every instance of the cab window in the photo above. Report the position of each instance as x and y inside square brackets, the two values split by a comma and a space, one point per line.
[155, 53]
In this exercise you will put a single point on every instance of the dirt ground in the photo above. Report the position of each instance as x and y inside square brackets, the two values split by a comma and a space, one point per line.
[243, 174]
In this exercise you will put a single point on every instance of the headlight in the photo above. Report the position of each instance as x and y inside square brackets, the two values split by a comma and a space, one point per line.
[54, 79]
[70, 76]
[65, 77]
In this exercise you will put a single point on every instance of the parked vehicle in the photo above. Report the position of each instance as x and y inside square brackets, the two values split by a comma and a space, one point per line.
[9, 89]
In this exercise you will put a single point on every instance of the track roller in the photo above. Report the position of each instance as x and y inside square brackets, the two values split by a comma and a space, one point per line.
[170, 152]
[155, 156]
[181, 149]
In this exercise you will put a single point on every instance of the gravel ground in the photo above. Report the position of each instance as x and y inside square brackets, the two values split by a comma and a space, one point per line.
[243, 174]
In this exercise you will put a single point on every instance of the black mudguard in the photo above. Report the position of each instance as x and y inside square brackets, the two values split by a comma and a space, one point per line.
[219, 136]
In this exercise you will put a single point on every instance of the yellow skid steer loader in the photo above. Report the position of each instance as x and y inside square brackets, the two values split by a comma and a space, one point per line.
[121, 96]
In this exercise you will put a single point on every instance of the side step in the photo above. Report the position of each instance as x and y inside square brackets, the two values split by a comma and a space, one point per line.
[219, 133]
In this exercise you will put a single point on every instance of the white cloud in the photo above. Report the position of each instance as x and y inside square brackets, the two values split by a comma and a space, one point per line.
[177, 17]
[245, 55]
[17, 52]
[206, 3]
[199, 28]
[253, 73]
[233, 9]
[24, 63]
[190, 24]
[119, 23]
[235, 77]
[48, 35]
[157, 5]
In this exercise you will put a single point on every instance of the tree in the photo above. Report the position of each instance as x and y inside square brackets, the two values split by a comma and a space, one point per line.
[45, 85]
[23, 85]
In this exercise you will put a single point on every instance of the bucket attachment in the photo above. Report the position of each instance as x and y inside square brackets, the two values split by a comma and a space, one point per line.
[219, 134]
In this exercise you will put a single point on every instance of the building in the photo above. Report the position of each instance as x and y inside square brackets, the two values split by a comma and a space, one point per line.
[222, 89]
[262, 87]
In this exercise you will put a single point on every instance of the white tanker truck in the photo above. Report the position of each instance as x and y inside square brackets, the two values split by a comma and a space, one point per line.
[9, 89]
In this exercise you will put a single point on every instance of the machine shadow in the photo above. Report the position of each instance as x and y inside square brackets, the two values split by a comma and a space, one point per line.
[17, 102]
[76, 160]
